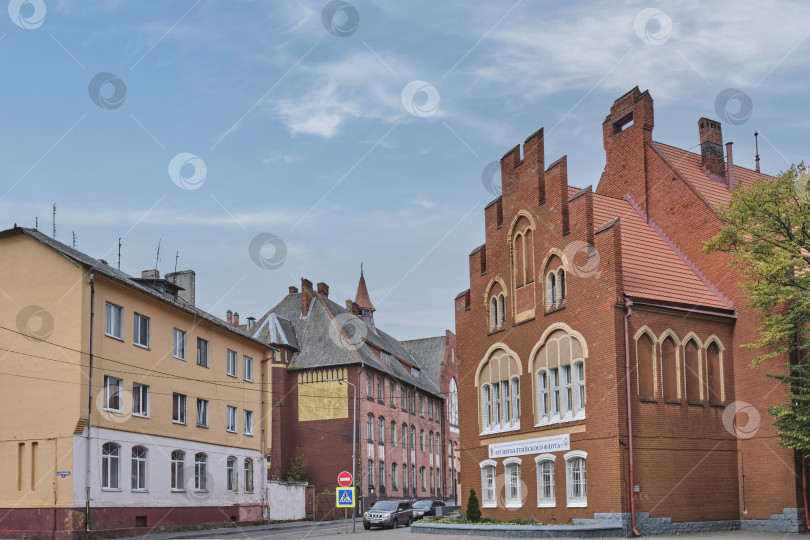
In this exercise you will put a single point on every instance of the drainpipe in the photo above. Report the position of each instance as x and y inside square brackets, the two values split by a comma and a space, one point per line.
[89, 403]
[629, 305]
[264, 447]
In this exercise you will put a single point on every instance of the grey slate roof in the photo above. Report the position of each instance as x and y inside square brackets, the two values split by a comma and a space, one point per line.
[79, 258]
[431, 352]
[320, 343]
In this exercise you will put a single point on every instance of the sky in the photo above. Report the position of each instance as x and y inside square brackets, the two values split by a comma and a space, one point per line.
[261, 142]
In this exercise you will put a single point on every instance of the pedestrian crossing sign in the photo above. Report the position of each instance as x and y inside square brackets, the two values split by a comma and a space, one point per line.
[345, 497]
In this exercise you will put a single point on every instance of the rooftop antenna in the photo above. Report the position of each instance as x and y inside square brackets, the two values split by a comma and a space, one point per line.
[119, 253]
[756, 143]
[54, 221]
[157, 257]
[74, 239]
[36, 222]
[176, 257]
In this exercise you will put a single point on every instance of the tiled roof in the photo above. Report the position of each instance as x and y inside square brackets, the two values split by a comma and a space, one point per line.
[651, 268]
[317, 338]
[362, 299]
[690, 166]
[105, 269]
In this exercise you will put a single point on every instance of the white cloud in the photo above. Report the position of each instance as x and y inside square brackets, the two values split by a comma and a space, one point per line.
[425, 203]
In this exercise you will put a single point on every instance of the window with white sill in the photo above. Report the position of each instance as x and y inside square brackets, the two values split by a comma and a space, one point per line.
[488, 499]
[499, 394]
[559, 377]
[575, 478]
[545, 480]
[513, 484]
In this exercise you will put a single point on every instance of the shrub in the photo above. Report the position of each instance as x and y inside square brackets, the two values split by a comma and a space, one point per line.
[473, 507]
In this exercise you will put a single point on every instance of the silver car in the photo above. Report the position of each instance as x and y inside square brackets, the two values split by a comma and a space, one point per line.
[388, 514]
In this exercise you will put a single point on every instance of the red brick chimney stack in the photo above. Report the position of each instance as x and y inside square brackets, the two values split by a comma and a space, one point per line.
[306, 296]
[229, 316]
[323, 289]
[711, 147]
[293, 289]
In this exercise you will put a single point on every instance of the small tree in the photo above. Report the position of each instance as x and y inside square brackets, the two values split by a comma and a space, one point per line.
[473, 508]
[298, 468]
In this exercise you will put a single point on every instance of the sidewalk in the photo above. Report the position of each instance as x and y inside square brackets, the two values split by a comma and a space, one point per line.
[224, 531]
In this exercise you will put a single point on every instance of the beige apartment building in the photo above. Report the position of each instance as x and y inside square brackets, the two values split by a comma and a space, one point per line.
[173, 430]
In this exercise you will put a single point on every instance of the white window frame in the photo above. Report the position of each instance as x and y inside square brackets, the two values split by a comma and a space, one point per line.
[489, 493]
[113, 313]
[231, 369]
[539, 461]
[143, 392]
[137, 338]
[486, 399]
[247, 469]
[510, 483]
[506, 405]
[496, 404]
[179, 344]
[113, 389]
[247, 368]
[248, 421]
[203, 353]
[140, 469]
[543, 411]
[566, 392]
[582, 500]
[580, 397]
[555, 403]
[231, 421]
[203, 408]
[178, 472]
[514, 384]
[232, 474]
[111, 466]
[201, 472]
[182, 415]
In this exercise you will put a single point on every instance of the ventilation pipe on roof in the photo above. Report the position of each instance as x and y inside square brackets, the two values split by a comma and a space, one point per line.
[730, 165]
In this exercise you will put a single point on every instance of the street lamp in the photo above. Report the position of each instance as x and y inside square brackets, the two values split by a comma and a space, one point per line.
[354, 444]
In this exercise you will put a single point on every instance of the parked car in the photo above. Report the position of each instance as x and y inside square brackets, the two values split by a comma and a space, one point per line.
[389, 514]
[426, 507]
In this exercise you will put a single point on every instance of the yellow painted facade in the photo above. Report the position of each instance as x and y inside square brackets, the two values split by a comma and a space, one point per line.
[44, 381]
[322, 400]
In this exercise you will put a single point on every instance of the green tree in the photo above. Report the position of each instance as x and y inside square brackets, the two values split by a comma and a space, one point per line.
[473, 507]
[767, 233]
[298, 468]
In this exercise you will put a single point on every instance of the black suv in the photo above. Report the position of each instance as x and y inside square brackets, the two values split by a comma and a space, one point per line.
[426, 507]
[388, 514]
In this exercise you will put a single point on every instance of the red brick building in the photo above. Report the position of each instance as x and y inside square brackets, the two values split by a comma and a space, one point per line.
[593, 316]
[405, 425]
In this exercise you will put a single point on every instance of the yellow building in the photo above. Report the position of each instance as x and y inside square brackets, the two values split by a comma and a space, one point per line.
[173, 430]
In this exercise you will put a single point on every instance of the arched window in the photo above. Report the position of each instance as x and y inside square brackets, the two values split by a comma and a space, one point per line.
[233, 479]
[370, 427]
[575, 479]
[248, 475]
[560, 286]
[110, 466]
[488, 484]
[422, 440]
[201, 472]
[381, 430]
[138, 468]
[371, 473]
[669, 369]
[178, 470]
[497, 310]
[498, 377]
[422, 478]
[393, 433]
[430, 443]
[559, 380]
[493, 313]
[501, 310]
[394, 477]
[520, 260]
[645, 366]
[692, 371]
[546, 497]
[714, 361]
[452, 403]
[413, 437]
[513, 483]
[551, 291]
[404, 435]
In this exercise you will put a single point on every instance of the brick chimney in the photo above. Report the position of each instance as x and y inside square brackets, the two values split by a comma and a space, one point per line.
[229, 316]
[251, 322]
[730, 174]
[711, 147]
[293, 289]
[236, 318]
[306, 296]
[323, 289]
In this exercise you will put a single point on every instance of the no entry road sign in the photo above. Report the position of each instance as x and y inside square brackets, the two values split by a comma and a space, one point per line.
[345, 479]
